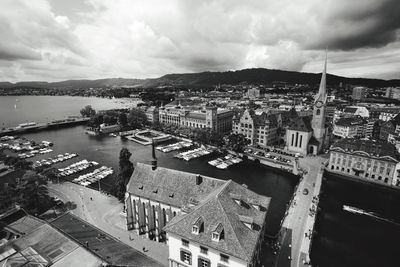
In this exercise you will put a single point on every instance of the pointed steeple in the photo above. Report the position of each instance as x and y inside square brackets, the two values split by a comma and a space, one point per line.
[321, 96]
[153, 155]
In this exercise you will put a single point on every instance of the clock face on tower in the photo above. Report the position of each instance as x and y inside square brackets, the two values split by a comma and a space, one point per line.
[319, 104]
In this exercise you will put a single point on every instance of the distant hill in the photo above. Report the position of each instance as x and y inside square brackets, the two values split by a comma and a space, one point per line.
[255, 76]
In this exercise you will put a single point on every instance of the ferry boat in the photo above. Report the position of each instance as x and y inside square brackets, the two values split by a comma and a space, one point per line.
[354, 210]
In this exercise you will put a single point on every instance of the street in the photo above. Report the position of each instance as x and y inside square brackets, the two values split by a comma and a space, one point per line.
[105, 212]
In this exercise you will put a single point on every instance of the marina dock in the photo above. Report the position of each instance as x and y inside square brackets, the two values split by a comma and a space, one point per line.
[35, 127]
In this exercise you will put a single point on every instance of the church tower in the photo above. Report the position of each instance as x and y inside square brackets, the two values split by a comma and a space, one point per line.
[319, 109]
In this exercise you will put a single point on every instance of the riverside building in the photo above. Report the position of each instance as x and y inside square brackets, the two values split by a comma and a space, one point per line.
[371, 161]
[218, 119]
[260, 129]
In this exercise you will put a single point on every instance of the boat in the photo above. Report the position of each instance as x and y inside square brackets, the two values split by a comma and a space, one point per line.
[223, 165]
[354, 210]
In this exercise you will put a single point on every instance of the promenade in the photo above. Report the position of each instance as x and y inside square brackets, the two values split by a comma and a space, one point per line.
[105, 212]
[296, 233]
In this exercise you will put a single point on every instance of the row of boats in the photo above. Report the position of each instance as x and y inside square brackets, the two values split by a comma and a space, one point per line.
[34, 152]
[192, 154]
[92, 177]
[25, 145]
[175, 146]
[54, 160]
[225, 162]
[76, 167]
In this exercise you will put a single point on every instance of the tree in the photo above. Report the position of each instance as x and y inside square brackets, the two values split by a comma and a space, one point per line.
[125, 172]
[33, 192]
[123, 119]
[137, 118]
[88, 111]
[96, 120]
[236, 142]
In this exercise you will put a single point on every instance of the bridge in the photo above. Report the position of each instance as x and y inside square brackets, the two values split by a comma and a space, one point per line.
[298, 225]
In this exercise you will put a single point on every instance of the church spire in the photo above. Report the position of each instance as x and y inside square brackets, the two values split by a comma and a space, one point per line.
[153, 155]
[321, 96]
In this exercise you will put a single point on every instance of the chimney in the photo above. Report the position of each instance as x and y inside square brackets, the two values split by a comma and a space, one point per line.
[153, 154]
[199, 179]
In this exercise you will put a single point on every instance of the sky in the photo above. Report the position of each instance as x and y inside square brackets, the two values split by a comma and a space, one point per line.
[53, 40]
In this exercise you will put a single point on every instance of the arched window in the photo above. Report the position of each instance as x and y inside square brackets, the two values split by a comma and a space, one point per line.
[318, 111]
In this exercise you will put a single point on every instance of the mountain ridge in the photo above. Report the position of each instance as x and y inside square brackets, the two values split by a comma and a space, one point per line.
[209, 79]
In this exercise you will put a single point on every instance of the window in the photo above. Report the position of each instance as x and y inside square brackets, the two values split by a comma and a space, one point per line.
[195, 229]
[203, 250]
[186, 257]
[215, 236]
[204, 263]
[185, 243]
[224, 258]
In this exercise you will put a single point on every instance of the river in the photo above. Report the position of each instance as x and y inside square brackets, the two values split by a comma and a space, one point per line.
[105, 150]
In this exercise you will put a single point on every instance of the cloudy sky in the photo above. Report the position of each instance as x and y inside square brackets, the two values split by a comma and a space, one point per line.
[55, 40]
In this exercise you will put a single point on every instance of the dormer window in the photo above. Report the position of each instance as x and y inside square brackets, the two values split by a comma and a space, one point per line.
[155, 191]
[198, 226]
[141, 187]
[218, 233]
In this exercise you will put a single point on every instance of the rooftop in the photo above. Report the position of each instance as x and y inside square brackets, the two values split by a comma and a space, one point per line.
[368, 148]
[104, 245]
[182, 186]
[239, 220]
[301, 124]
[346, 122]
[46, 246]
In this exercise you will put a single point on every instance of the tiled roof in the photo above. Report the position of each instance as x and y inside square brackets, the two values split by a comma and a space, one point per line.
[144, 181]
[301, 124]
[220, 209]
[345, 122]
[350, 110]
[196, 115]
[371, 148]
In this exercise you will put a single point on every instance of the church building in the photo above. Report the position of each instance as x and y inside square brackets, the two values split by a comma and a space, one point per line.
[306, 135]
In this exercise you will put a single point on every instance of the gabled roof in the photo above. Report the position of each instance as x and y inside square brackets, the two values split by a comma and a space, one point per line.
[145, 181]
[220, 209]
[301, 124]
[353, 121]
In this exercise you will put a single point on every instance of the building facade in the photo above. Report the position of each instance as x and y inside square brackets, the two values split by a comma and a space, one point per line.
[350, 128]
[393, 92]
[372, 161]
[152, 114]
[217, 119]
[359, 93]
[260, 129]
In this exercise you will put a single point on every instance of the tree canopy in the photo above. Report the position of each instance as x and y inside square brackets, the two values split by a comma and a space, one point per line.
[236, 142]
[125, 172]
[88, 111]
[137, 118]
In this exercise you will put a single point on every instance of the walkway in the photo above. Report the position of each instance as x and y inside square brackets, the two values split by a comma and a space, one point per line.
[298, 224]
[105, 212]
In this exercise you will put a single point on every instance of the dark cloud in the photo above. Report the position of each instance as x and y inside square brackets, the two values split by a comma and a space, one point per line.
[361, 27]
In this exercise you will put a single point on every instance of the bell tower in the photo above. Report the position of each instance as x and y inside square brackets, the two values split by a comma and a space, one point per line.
[319, 109]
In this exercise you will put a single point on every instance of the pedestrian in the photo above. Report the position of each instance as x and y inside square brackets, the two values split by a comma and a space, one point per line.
[144, 249]
[91, 198]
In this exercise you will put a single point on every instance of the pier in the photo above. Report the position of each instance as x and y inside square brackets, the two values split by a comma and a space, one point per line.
[35, 127]
[298, 224]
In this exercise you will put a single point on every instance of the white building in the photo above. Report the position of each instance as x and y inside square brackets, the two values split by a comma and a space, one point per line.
[226, 229]
[393, 92]
[218, 119]
[372, 161]
[349, 127]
